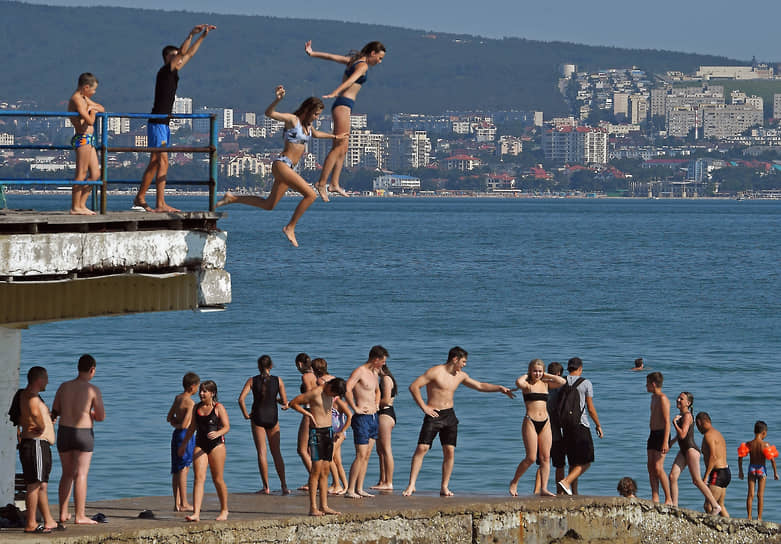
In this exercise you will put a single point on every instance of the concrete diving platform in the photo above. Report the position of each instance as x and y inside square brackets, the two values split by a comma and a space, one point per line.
[56, 266]
[421, 519]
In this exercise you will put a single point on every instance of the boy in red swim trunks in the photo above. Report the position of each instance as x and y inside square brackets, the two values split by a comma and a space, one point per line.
[757, 473]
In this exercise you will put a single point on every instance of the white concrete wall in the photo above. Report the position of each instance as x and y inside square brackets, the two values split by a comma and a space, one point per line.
[10, 356]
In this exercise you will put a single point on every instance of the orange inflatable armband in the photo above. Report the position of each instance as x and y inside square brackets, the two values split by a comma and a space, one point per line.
[770, 452]
[743, 450]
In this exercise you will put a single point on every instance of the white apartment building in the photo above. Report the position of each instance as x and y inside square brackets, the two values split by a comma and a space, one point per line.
[224, 119]
[582, 145]
[272, 126]
[119, 125]
[412, 149]
[464, 163]
[680, 120]
[659, 102]
[366, 150]
[638, 109]
[357, 121]
[729, 120]
[509, 145]
[777, 106]
[249, 118]
[621, 104]
[181, 105]
[396, 182]
[462, 127]
[6, 138]
[485, 132]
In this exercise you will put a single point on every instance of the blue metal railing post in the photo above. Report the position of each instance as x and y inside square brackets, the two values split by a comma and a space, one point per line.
[103, 162]
[213, 162]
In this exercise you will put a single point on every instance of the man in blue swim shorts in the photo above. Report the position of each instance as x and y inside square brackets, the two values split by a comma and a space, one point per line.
[158, 132]
[363, 396]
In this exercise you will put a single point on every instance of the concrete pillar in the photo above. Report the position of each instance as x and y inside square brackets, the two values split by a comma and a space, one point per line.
[10, 357]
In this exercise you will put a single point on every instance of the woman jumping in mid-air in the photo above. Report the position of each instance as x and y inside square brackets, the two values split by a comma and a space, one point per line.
[354, 76]
[298, 131]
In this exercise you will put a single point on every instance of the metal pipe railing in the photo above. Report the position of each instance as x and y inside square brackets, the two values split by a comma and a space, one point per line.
[103, 148]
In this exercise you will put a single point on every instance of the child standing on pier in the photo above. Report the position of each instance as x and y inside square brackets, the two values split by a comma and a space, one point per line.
[83, 142]
[179, 416]
[757, 472]
[210, 420]
[316, 405]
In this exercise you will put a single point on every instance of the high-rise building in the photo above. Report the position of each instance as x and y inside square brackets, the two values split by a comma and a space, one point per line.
[583, 145]
[409, 150]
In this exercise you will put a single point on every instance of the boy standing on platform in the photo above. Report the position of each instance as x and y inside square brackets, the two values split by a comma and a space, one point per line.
[158, 132]
[83, 142]
[320, 400]
[659, 438]
[179, 416]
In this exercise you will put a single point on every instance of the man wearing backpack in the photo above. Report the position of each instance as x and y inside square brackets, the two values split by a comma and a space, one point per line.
[577, 434]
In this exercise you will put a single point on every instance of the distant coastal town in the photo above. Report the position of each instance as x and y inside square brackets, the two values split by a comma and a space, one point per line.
[712, 133]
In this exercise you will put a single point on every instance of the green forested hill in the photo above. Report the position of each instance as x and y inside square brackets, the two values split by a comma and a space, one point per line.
[241, 62]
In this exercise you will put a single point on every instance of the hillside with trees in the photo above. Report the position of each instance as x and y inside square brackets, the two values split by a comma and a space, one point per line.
[241, 62]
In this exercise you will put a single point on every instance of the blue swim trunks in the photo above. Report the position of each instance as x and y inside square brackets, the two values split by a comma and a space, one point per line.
[80, 140]
[157, 135]
[364, 427]
[178, 463]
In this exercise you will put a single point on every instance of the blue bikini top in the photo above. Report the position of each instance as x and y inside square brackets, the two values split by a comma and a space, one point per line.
[350, 69]
[296, 135]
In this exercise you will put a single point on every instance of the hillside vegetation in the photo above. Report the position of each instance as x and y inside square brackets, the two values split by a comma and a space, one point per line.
[241, 62]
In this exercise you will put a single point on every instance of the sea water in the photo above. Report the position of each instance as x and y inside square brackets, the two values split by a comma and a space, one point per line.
[690, 286]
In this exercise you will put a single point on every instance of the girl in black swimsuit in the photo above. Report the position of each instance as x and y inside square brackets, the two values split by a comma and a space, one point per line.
[267, 392]
[689, 454]
[209, 424]
[386, 422]
[536, 428]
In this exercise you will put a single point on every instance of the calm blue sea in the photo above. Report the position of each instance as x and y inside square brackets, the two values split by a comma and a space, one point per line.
[690, 286]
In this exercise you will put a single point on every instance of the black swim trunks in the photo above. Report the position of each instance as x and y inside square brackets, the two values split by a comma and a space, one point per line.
[36, 457]
[656, 440]
[75, 438]
[720, 477]
[579, 446]
[321, 443]
[446, 425]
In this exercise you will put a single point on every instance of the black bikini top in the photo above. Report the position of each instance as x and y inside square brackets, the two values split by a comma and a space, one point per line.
[527, 397]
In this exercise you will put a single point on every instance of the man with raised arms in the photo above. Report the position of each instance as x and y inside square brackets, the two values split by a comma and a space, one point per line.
[78, 404]
[158, 131]
[441, 382]
[363, 396]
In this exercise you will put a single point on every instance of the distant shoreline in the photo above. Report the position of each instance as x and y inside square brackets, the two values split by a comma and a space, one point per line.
[513, 196]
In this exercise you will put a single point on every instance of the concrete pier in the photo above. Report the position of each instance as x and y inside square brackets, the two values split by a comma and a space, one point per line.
[421, 519]
[56, 266]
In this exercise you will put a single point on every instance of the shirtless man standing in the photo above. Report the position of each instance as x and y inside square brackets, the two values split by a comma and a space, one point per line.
[441, 382]
[37, 434]
[78, 404]
[714, 452]
[363, 396]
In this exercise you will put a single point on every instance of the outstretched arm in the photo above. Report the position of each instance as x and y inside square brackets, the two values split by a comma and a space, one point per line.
[272, 113]
[188, 49]
[487, 387]
[342, 59]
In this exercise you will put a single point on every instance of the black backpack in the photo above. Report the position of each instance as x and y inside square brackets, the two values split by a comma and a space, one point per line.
[568, 409]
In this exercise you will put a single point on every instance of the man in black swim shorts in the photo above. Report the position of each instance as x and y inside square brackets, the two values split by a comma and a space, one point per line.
[441, 382]
[714, 452]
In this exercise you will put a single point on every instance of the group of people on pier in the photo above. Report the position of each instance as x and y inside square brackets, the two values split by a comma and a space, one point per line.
[298, 131]
[555, 429]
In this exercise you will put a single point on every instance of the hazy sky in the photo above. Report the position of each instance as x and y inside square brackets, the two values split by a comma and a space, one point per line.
[737, 30]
